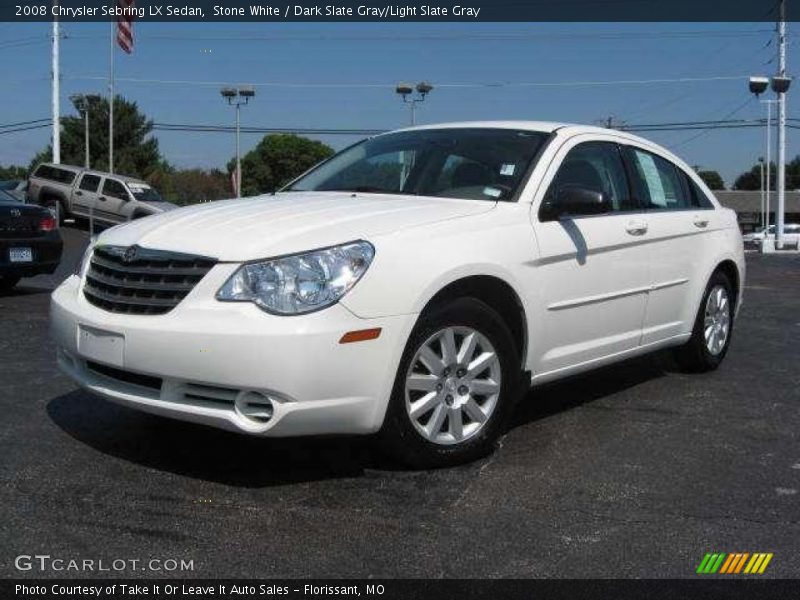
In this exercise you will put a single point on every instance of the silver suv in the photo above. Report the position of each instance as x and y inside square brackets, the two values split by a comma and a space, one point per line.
[79, 192]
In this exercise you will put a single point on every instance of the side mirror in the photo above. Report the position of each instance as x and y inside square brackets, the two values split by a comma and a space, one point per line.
[575, 200]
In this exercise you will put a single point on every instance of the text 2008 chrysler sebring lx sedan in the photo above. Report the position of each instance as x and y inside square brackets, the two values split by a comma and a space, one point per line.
[412, 285]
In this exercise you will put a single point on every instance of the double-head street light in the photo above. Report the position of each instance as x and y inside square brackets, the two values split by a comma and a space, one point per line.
[406, 92]
[238, 96]
[780, 85]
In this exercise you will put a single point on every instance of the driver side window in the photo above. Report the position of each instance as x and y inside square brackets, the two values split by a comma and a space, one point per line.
[594, 166]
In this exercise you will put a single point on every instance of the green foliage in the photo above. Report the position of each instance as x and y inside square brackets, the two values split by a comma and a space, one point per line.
[712, 179]
[190, 186]
[276, 160]
[13, 172]
[136, 152]
[751, 180]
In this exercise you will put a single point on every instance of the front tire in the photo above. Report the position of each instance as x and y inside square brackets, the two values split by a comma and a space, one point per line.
[713, 327]
[454, 390]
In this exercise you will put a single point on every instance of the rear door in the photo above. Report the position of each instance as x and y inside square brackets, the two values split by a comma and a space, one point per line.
[111, 203]
[84, 197]
[681, 226]
[592, 271]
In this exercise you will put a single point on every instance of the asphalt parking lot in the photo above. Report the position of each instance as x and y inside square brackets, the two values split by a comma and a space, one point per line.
[633, 471]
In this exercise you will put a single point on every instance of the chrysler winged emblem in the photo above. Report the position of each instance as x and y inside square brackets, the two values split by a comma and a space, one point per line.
[130, 254]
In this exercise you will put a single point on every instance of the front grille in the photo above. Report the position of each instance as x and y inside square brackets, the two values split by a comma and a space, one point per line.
[125, 376]
[141, 281]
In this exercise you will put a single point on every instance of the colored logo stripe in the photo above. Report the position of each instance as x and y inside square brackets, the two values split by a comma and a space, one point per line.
[733, 563]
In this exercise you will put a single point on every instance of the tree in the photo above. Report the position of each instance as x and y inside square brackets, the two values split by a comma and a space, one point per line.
[13, 172]
[190, 186]
[276, 160]
[136, 152]
[712, 179]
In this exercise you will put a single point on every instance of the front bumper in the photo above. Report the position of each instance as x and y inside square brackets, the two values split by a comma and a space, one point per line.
[202, 360]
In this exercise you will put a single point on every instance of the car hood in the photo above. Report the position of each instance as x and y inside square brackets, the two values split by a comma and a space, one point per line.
[265, 226]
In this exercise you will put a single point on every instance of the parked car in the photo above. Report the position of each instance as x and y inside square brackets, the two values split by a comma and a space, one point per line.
[78, 192]
[15, 187]
[30, 242]
[414, 286]
[791, 234]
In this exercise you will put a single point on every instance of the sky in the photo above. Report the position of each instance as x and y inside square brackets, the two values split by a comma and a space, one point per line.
[334, 75]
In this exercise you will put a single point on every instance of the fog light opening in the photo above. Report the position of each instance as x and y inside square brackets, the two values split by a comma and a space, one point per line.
[254, 406]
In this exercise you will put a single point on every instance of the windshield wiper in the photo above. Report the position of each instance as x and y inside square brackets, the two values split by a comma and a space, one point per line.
[367, 189]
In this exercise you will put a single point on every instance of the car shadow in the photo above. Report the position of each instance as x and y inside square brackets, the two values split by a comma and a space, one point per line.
[21, 289]
[559, 396]
[210, 454]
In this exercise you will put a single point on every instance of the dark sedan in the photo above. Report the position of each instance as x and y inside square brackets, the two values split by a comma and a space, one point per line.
[30, 242]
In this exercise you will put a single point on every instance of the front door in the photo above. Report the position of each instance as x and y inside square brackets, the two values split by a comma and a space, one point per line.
[85, 195]
[111, 203]
[592, 272]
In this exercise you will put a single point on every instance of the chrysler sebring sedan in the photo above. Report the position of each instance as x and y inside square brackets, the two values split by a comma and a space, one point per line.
[414, 286]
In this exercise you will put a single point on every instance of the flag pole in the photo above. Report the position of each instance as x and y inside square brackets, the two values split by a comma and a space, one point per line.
[111, 103]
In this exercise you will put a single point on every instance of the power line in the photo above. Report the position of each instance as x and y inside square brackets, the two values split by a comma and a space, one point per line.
[28, 128]
[25, 123]
[460, 85]
[533, 36]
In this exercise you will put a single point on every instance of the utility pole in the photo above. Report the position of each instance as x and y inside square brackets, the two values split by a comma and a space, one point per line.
[56, 90]
[781, 128]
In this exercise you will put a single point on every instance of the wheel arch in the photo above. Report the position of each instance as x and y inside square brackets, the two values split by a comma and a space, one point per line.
[496, 293]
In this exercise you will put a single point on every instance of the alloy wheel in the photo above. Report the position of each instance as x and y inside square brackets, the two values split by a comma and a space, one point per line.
[717, 321]
[452, 385]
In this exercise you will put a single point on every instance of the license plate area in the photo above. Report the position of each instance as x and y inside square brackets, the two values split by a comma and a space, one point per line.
[102, 346]
[20, 255]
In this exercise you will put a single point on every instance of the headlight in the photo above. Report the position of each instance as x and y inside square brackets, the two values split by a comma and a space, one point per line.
[301, 283]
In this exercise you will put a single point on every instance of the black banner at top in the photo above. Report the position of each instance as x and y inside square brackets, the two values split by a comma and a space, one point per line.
[375, 11]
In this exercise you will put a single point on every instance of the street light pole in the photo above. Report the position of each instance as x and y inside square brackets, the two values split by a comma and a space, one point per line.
[781, 127]
[761, 189]
[238, 97]
[238, 151]
[81, 102]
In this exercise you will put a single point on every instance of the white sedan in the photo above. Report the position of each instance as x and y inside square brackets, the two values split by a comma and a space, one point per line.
[415, 286]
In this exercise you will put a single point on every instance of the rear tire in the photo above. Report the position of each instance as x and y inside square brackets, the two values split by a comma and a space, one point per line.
[456, 385]
[7, 282]
[713, 327]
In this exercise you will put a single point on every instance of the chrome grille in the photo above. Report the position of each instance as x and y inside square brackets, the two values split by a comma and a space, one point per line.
[141, 281]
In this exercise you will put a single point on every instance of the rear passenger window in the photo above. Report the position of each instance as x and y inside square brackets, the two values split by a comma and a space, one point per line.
[55, 174]
[89, 183]
[699, 198]
[659, 183]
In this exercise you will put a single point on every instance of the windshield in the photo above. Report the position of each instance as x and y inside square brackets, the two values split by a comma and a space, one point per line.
[6, 197]
[144, 193]
[473, 164]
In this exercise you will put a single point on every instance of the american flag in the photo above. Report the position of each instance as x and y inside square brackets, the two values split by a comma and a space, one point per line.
[125, 26]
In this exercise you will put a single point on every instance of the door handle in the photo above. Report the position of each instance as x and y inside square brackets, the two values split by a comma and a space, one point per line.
[700, 222]
[79, 193]
[636, 227]
[102, 198]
